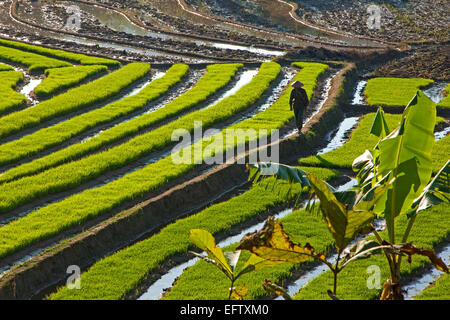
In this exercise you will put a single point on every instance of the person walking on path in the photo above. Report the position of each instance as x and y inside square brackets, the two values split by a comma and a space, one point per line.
[298, 102]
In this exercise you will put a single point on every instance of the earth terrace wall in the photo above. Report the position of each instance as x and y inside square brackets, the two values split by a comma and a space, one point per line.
[58, 53]
[364, 109]
[48, 269]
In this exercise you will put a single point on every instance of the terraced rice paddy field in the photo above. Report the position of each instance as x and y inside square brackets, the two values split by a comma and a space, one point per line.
[121, 140]
[88, 177]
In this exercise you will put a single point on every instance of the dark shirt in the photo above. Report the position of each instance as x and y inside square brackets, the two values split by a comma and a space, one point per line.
[299, 99]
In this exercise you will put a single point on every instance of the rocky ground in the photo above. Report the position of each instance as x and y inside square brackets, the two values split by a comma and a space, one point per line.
[431, 63]
[148, 14]
[401, 20]
[346, 15]
[251, 12]
[54, 15]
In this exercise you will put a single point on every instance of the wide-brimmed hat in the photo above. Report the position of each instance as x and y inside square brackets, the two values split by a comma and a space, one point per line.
[297, 84]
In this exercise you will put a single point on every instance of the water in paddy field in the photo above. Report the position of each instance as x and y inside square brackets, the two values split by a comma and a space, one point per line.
[244, 79]
[29, 87]
[110, 45]
[417, 286]
[139, 88]
[250, 49]
[301, 282]
[358, 97]
[339, 138]
[436, 91]
[323, 97]
[442, 134]
[119, 22]
[156, 290]
[274, 96]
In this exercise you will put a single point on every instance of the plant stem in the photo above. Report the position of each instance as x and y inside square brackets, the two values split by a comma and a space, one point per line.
[336, 272]
[405, 238]
[408, 228]
[231, 289]
[387, 254]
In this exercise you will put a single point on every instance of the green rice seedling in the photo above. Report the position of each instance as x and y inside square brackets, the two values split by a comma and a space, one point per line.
[432, 227]
[62, 78]
[216, 77]
[71, 211]
[445, 103]
[391, 197]
[202, 282]
[393, 91]
[279, 113]
[60, 54]
[5, 67]
[33, 61]
[74, 99]
[75, 209]
[441, 151]
[9, 98]
[74, 173]
[359, 141]
[120, 273]
[440, 290]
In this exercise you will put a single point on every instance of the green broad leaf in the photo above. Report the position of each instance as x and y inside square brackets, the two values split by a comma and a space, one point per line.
[379, 126]
[273, 288]
[280, 171]
[256, 263]
[361, 250]
[239, 293]
[366, 201]
[272, 243]
[206, 242]
[365, 167]
[406, 152]
[347, 197]
[436, 192]
[343, 224]
[362, 161]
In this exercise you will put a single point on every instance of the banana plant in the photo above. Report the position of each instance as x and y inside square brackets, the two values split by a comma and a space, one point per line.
[405, 153]
[393, 179]
[226, 262]
[345, 222]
